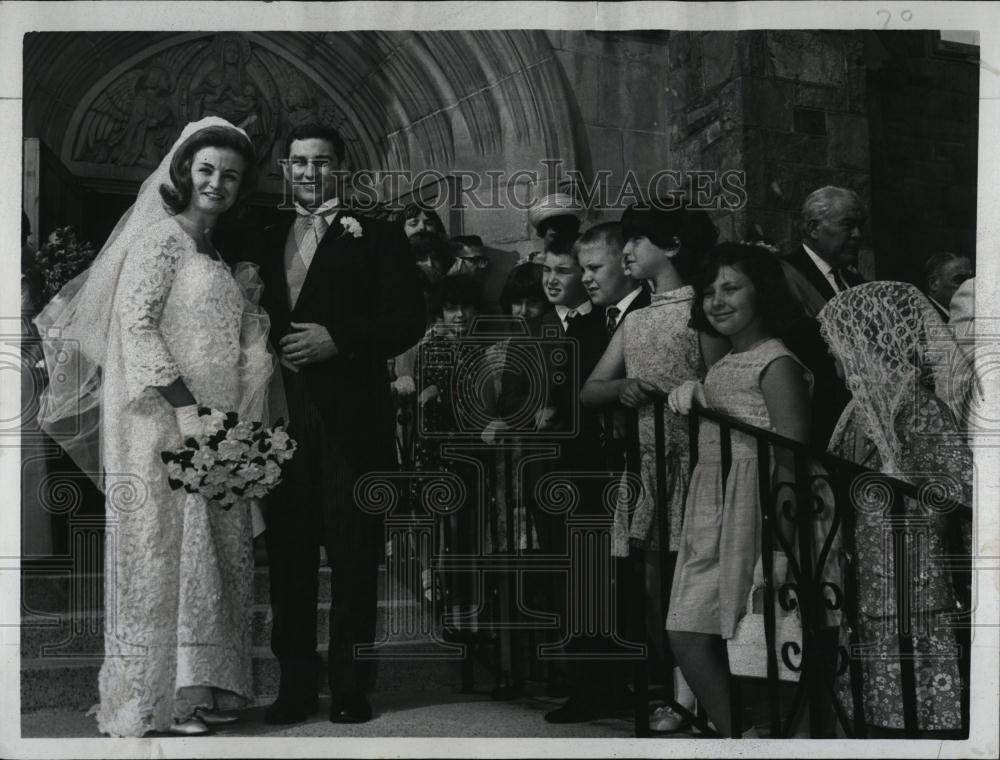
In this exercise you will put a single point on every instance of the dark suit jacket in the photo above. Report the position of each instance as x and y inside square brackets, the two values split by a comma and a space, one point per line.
[830, 396]
[366, 291]
[807, 267]
[590, 338]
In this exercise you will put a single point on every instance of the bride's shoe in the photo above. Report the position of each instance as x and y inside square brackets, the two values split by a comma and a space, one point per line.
[214, 718]
[189, 727]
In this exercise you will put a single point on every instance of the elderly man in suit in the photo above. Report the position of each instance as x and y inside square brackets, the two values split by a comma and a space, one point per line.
[943, 274]
[826, 261]
[344, 295]
[822, 266]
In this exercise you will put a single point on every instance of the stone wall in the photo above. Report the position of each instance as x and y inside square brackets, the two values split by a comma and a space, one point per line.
[924, 113]
[648, 102]
[804, 124]
[786, 107]
[884, 114]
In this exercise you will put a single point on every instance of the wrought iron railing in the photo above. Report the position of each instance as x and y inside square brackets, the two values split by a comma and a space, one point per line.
[812, 563]
[822, 581]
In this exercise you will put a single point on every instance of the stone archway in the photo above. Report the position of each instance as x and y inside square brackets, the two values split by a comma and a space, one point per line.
[438, 102]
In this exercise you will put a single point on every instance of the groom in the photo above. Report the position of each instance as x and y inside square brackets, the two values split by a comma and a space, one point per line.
[343, 295]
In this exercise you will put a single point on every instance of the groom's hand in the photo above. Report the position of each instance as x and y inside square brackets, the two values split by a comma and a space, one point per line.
[308, 343]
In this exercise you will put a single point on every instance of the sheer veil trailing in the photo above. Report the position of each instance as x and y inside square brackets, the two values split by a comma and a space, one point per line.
[75, 327]
[889, 340]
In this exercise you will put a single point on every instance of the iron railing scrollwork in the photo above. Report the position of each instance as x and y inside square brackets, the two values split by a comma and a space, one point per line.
[816, 533]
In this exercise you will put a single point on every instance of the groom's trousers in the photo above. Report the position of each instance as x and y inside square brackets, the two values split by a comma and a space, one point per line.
[315, 505]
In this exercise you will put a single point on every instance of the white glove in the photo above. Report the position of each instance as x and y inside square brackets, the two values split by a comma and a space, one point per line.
[257, 523]
[404, 386]
[686, 395]
[492, 430]
[427, 394]
[192, 424]
[544, 417]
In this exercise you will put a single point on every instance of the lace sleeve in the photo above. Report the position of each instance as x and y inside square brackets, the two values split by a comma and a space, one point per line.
[147, 275]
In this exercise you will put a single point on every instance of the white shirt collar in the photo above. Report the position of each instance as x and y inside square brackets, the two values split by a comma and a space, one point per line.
[562, 311]
[328, 208]
[623, 304]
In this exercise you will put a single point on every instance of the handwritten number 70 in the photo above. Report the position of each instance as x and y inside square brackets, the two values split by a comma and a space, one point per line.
[905, 16]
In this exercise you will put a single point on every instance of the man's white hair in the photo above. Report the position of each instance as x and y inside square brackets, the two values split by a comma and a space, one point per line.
[820, 204]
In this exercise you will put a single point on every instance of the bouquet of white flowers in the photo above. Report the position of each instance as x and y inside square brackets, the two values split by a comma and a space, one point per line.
[239, 460]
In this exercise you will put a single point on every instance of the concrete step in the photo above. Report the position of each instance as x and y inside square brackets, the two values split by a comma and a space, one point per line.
[401, 714]
[62, 651]
[71, 683]
[50, 592]
[83, 634]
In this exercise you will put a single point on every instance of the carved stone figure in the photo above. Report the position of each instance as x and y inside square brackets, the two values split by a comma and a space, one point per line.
[151, 124]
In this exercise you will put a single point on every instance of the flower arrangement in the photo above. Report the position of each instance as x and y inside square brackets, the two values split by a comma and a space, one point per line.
[351, 226]
[239, 460]
[62, 258]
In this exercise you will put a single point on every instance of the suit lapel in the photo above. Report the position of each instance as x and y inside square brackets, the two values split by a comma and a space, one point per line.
[641, 301]
[801, 261]
[329, 257]
[274, 262]
[551, 318]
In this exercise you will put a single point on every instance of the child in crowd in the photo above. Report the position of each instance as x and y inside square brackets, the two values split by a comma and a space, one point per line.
[651, 353]
[523, 296]
[444, 360]
[741, 295]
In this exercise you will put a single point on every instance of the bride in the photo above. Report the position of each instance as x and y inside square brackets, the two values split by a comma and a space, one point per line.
[157, 327]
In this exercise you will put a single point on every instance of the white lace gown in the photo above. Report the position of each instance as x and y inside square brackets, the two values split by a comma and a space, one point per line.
[178, 570]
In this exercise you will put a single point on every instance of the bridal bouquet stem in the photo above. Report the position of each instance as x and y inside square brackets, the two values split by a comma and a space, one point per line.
[238, 460]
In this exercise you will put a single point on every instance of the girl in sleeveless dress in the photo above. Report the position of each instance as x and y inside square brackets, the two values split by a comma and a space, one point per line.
[653, 352]
[743, 296]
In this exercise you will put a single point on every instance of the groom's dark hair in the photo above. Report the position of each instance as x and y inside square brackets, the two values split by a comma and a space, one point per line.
[317, 132]
[177, 194]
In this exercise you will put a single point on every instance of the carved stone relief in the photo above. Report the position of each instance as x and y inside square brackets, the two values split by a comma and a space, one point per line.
[136, 118]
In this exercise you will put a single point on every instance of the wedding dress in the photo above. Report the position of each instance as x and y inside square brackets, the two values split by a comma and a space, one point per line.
[178, 569]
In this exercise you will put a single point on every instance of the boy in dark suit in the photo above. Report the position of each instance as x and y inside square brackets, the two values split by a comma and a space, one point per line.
[613, 295]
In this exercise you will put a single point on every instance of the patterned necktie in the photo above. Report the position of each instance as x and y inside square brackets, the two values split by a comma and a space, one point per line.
[612, 319]
[309, 230]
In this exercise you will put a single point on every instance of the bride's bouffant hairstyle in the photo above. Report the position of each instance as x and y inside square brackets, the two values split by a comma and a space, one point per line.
[177, 195]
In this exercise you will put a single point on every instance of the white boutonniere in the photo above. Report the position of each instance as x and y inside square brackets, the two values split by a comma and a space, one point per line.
[352, 226]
